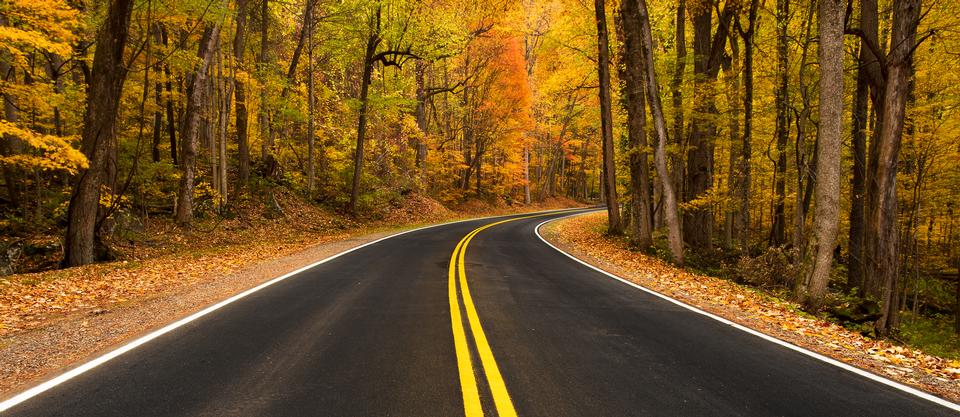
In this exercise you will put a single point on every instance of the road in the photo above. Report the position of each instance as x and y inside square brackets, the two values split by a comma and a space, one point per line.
[388, 330]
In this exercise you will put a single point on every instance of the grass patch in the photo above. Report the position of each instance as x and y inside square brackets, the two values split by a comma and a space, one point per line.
[933, 335]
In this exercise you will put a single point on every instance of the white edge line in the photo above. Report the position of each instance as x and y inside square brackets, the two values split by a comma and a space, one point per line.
[66, 376]
[831, 361]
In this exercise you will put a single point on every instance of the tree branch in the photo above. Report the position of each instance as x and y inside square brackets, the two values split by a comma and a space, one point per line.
[877, 52]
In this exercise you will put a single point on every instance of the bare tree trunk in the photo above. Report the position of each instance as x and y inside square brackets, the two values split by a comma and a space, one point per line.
[855, 265]
[266, 140]
[734, 177]
[671, 213]
[240, 94]
[677, 91]
[103, 100]
[614, 225]
[806, 167]
[708, 54]
[168, 86]
[746, 148]
[420, 146]
[526, 174]
[869, 24]
[191, 127]
[778, 232]
[373, 40]
[158, 113]
[311, 170]
[225, 87]
[831, 126]
[631, 75]
[906, 17]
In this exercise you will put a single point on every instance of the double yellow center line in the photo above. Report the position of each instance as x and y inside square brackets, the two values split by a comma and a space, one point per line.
[468, 380]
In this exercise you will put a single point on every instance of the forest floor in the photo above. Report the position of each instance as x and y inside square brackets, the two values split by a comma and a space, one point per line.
[51, 319]
[584, 237]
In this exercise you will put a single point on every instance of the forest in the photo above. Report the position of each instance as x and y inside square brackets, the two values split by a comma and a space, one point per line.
[808, 148]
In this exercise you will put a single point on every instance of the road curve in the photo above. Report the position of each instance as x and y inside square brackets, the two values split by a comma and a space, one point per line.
[370, 334]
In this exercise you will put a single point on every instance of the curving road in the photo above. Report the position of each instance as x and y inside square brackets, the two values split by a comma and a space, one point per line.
[370, 333]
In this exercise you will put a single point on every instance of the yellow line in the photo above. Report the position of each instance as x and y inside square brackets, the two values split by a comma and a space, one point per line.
[501, 398]
[468, 382]
[471, 399]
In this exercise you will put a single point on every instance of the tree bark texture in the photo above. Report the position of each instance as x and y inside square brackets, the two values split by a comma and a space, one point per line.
[606, 121]
[632, 78]
[190, 129]
[831, 126]
[671, 214]
[884, 266]
[98, 135]
[782, 100]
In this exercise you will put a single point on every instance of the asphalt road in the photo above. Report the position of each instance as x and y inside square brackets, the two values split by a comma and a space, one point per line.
[370, 334]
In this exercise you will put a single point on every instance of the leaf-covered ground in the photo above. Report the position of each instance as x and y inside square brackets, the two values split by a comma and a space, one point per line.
[583, 237]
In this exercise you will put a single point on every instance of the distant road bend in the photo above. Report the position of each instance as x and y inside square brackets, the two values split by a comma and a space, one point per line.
[476, 318]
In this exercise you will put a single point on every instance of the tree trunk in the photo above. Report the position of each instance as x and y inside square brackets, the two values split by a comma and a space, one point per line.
[906, 17]
[263, 64]
[869, 25]
[191, 126]
[526, 174]
[697, 221]
[158, 113]
[631, 74]
[708, 54]
[746, 148]
[311, 170]
[420, 146]
[99, 123]
[782, 100]
[225, 95]
[855, 263]
[656, 109]
[240, 94]
[372, 41]
[806, 168]
[168, 86]
[732, 81]
[606, 122]
[677, 91]
[831, 19]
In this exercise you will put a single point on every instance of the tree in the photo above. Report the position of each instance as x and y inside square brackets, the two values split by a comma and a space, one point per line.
[656, 109]
[606, 122]
[676, 83]
[855, 264]
[98, 140]
[778, 232]
[746, 148]
[34, 36]
[240, 92]
[191, 124]
[308, 23]
[883, 216]
[632, 94]
[263, 68]
[831, 18]
[708, 50]
[390, 41]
